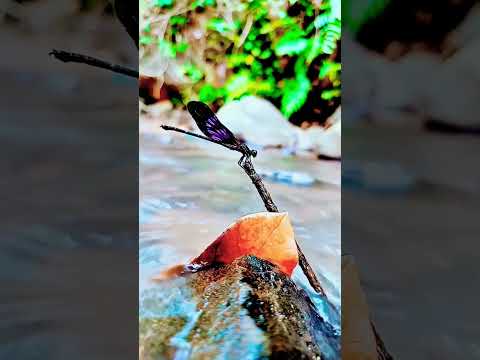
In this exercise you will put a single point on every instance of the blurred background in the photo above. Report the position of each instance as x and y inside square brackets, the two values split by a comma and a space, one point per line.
[411, 63]
[410, 189]
[69, 196]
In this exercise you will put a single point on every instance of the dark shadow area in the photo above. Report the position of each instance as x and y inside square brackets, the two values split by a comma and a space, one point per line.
[410, 180]
[69, 162]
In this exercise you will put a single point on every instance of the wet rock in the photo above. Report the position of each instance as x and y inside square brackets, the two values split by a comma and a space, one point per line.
[259, 122]
[323, 141]
[245, 310]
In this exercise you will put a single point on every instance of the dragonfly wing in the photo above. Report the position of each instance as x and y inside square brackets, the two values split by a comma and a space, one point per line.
[209, 124]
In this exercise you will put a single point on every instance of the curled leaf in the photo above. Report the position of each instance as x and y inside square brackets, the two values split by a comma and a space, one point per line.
[266, 235]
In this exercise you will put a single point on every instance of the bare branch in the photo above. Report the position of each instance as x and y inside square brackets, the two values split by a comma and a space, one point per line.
[88, 60]
[247, 166]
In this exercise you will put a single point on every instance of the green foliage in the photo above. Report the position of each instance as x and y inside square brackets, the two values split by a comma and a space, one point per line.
[163, 3]
[284, 50]
[295, 94]
[292, 43]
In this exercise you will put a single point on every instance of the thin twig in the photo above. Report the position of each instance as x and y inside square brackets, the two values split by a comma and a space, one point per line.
[88, 60]
[247, 166]
[245, 31]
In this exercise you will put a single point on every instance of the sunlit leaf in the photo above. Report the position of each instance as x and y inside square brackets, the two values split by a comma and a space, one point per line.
[192, 71]
[330, 94]
[314, 49]
[300, 67]
[164, 3]
[166, 48]
[221, 26]
[181, 47]
[178, 20]
[265, 54]
[209, 93]
[329, 36]
[291, 43]
[330, 70]
[264, 87]
[237, 85]
[236, 60]
[202, 3]
[295, 93]
[146, 40]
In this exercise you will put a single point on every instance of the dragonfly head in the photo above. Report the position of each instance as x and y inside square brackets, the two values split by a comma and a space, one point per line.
[253, 153]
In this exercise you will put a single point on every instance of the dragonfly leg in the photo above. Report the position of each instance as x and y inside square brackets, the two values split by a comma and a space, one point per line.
[241, 161]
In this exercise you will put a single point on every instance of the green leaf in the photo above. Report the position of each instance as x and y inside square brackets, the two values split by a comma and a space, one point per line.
[300, 68]
[292, 43]
[146, 40]
[314, 49]
[295, 93]
[166, 48]
[322, 20]
[263, 87]
[256, 68]
[192, 71]
[265, 54]
[336, 8]
[330, 70]
[256, 51]
[221, 26]
[330, 94]
[236, 60]
[181, 47]
[238, 85]
[164, 3]
[178, 20]
[208, 94]
[329, 36]
[202, 3]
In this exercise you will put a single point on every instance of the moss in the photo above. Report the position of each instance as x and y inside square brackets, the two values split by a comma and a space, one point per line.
[155, 335]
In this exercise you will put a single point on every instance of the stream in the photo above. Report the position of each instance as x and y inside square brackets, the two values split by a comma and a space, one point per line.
[191, 191]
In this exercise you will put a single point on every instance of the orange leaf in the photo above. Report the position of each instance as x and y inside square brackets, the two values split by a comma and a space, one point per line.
[266, 235]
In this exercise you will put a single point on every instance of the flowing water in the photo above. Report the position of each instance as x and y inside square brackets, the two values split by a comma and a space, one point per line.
[189, 193]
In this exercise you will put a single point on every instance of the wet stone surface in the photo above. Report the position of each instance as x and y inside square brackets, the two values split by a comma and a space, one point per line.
[244, 310]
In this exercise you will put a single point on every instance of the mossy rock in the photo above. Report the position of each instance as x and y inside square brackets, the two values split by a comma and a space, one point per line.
[244, 310]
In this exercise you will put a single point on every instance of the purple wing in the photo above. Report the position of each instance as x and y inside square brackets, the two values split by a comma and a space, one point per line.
[209, 124]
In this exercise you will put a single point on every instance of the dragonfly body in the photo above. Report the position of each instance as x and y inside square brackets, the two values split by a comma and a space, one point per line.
[215, 131]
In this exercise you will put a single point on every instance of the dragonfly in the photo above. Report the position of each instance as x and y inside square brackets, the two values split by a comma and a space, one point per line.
[214, 130]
